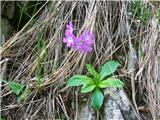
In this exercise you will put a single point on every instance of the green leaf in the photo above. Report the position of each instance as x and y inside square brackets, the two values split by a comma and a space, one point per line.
[15, 87]
[111, 82]
[92, 71]
[87, 88]
[97, 99]
[78, 80]
[108, 68]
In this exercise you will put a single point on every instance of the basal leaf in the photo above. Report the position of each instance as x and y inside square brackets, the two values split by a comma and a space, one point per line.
[108, 68]
[15, 87]
[111, 82]
[97, 99]
[78, 80]
[87, 88]
[92, 71]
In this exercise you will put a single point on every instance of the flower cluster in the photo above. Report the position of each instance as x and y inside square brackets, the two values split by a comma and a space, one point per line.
[83, 42]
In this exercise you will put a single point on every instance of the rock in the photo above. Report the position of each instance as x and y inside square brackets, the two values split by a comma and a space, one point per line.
[8, 9]
[86, 113]
[6, 30]
[116, 106]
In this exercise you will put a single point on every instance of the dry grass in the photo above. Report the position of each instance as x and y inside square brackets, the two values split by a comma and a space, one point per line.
[136, 47]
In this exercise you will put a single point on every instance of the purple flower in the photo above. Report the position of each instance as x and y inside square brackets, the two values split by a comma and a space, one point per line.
[87, 37]
[69, 36]
[70, 40]
[84, 42]
[69, 29]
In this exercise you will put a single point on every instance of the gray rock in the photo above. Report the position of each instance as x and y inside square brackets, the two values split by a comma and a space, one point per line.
[6, 30]
[8, 9]
[86, 113]
[116, 107]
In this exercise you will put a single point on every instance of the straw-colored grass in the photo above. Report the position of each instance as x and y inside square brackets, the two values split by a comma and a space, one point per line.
[117, 36]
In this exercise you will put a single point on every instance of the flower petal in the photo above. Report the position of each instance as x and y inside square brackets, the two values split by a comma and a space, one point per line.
[64, 40]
